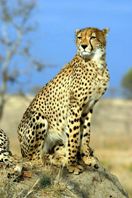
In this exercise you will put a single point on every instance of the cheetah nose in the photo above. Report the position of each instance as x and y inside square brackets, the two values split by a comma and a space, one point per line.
[84, 46]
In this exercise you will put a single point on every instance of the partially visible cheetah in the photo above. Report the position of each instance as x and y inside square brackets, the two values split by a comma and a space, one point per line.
[5, 154]
[61, 111]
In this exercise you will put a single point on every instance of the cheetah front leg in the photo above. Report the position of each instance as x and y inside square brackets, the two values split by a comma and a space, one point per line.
[73, 140]
[85, 150]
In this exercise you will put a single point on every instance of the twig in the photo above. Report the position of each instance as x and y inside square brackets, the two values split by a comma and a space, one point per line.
[32, 188]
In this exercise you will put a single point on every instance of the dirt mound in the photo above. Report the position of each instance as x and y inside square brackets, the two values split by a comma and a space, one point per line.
[48, 181]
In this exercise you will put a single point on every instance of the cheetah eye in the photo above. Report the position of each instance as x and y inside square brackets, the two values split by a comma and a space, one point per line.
[79, 37]
[92, 37]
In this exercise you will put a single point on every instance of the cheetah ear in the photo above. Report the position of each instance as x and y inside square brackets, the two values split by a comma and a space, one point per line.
[77, 30]
[106, 31]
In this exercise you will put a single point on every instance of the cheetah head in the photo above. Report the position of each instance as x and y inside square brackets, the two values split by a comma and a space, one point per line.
[91, 42]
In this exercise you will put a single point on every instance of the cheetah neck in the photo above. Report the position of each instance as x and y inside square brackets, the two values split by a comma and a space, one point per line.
[100, 58]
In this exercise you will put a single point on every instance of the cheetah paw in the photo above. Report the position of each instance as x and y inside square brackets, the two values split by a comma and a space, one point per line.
[57, 160]
[75, 169]
[90, 161]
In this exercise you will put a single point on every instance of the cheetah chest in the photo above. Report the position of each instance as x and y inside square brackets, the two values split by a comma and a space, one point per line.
[96, 88]
[99, 87]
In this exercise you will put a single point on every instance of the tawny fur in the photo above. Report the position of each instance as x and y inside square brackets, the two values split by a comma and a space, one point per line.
[61, 111]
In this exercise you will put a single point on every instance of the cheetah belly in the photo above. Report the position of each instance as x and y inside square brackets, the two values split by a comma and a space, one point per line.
[57, 120]
[55, 136]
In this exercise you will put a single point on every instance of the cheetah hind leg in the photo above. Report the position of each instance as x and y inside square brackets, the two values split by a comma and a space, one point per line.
[32, 141]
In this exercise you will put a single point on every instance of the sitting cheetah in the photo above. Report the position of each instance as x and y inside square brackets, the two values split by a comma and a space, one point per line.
[61, 111]
[5, 154]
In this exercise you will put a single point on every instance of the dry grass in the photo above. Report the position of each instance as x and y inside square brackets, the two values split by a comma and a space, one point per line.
[46, 181]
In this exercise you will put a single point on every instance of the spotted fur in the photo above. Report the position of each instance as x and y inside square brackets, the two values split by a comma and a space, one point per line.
[5, 154]
[61, 111]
